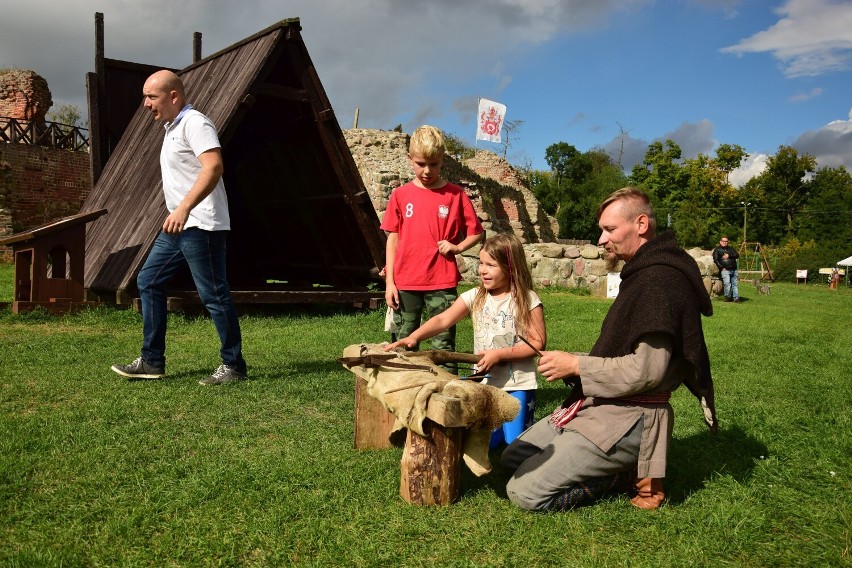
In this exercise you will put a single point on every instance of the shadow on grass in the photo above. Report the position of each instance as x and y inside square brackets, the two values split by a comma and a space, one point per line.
[693, 461]
[495, 481]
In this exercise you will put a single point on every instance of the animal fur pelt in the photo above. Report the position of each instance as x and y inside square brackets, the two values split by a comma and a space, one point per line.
[404, 383]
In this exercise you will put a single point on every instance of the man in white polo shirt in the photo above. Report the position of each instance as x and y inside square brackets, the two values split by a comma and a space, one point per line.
[195, 232]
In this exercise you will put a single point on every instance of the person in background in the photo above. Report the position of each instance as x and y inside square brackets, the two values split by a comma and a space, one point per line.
[614, 429]
[504, 307]
[428, 222]
[194, 233]
[725, 257]
[835, 279]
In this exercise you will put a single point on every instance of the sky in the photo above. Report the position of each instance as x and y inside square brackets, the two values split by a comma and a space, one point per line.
[611, 74]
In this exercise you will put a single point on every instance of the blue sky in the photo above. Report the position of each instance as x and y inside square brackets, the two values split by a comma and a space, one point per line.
[594, 73]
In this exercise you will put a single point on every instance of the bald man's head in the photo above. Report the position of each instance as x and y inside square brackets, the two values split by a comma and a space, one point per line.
[163, 95]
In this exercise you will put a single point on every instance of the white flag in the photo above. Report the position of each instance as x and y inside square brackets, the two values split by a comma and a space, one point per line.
[490, 120]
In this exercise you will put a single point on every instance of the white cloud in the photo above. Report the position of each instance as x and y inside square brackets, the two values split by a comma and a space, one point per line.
[813, 37]
[752, 166]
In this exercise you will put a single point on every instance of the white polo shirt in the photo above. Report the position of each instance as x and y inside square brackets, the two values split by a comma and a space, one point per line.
[188, 136]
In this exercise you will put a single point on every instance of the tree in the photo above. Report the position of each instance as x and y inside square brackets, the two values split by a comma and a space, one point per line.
[729, 157]
[827, 215]
[558, 156]
[510, 127]
[66, 114]
[660, 174]
[781, 192]
[787, 169]
[456, 147]
[586, 179]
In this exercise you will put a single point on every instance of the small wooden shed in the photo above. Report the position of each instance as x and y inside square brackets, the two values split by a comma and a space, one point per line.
[303, 226]
[49, 264]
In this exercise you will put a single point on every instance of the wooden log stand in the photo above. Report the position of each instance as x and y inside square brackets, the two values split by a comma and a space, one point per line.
[431, 464]
[430, 469]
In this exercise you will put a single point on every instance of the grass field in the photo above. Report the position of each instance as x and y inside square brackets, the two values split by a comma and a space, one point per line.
[99, 471]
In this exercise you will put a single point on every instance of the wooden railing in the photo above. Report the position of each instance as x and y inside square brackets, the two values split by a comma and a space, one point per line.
[49, 134]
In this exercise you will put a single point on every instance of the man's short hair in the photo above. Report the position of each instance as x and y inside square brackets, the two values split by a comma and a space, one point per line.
[427, 141]
[636, 202]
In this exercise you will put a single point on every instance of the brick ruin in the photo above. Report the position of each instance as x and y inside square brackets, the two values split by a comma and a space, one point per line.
[37, 184]
[24, 95]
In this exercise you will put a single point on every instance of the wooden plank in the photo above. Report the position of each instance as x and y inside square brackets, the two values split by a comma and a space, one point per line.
[373, 423]
[445, 411]
[287, 297]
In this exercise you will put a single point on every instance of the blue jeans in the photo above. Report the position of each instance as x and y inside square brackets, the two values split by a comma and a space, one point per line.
[204, 252]
[730, 283]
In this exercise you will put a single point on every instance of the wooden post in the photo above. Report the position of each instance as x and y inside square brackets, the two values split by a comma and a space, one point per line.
[431, 465]
[373, 423]
[196, 47]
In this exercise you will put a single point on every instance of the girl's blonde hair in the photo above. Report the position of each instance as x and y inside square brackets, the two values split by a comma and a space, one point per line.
[509, 253]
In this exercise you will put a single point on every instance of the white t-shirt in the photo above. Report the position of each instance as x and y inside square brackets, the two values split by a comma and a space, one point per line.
[494, 328]
[187, 137]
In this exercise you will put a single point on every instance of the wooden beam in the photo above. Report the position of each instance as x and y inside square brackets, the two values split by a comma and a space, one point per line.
[289, 297]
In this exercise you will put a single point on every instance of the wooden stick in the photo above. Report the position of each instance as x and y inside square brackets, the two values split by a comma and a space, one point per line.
[445, 356]
[537, 352]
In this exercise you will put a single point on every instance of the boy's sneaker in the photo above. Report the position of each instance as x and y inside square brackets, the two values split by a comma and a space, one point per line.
[139, 369]
[224, 374]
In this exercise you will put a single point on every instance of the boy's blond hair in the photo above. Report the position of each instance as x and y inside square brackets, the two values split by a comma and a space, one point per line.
[427, 141]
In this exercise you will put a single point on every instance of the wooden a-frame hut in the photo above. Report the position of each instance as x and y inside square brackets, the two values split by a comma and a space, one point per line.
[303, 227]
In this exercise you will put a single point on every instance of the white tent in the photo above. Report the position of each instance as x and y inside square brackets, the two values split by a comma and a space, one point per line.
[847, 262]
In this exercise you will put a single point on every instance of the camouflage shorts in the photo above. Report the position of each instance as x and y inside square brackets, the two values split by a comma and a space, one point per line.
[410, 313]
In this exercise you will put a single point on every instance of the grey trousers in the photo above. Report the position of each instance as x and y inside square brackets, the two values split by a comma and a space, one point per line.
[547, 462]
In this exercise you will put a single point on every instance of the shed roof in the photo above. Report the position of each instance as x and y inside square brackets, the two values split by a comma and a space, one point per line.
[301, 218]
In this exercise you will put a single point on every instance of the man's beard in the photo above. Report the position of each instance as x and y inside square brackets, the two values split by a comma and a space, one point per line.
[611, 261]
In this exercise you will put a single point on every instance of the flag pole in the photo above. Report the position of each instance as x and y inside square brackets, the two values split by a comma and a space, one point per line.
[476, 123]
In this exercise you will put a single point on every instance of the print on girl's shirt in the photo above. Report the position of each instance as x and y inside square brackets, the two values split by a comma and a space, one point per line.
[488, 332]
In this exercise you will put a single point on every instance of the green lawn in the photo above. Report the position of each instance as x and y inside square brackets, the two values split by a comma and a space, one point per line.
[98, 471]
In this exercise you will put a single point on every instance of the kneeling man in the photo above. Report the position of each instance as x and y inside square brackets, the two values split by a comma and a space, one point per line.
[614, 429]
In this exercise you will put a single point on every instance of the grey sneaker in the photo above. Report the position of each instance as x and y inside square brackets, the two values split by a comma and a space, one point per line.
[139, 369]
[224, 374]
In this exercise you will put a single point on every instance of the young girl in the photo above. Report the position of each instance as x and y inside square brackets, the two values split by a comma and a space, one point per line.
[504, 307]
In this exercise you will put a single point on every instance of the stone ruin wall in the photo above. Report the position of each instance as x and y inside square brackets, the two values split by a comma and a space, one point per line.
[503, 204]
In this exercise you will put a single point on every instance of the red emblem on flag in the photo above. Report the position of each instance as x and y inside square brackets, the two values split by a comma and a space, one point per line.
[490, 121]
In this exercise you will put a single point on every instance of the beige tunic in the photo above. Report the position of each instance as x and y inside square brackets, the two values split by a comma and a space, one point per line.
[650, 369]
